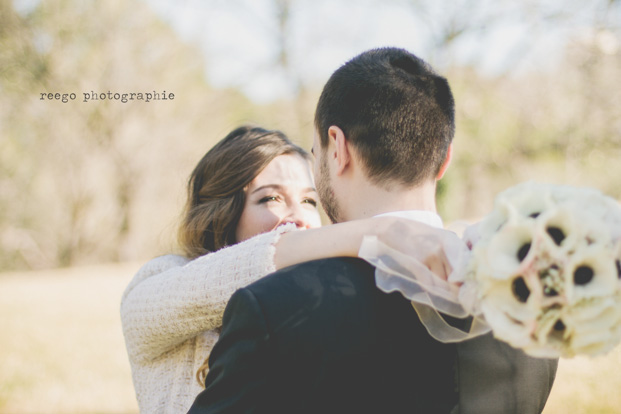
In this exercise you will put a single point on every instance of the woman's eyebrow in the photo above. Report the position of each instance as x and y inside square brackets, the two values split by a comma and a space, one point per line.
[267, 186]
[279, 187]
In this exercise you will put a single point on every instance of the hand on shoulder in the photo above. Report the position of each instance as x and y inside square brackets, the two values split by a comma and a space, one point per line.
[433, 247]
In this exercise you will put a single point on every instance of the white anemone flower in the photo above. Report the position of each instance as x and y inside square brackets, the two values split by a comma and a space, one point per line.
[617, 257]
[562, 194]
[524, 200]
[514, 332]
[592, 272]
[586, 310]
[513, 297]
[616, 331]
[508, 251]
[553, 329]
[560, 231]
[603, 325]
[493, 222]
[528, 200]
[596, 335]
[596, 203]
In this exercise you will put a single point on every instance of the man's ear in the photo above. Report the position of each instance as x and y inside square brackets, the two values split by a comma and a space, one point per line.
[446, 163]
[341, 154]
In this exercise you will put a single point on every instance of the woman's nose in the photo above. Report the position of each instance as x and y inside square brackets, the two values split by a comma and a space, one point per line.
[298, 215]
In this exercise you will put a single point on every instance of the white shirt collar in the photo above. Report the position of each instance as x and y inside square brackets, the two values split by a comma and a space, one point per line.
[428, 217]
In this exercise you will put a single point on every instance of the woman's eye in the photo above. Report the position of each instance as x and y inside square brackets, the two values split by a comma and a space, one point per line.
[310, 201]
[268, 199]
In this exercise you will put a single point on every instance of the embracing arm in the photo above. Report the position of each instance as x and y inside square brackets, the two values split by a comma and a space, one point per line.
[171, 300]
[336, 240]
[424, 242]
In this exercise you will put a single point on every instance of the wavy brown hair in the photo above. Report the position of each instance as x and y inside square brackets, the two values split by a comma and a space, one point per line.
[216, 188]
[217, 191]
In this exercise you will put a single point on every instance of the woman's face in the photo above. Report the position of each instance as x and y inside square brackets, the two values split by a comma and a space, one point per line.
[284, 192]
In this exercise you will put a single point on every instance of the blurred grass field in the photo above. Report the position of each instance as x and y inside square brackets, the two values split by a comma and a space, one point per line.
[62, 350]
[61, 347]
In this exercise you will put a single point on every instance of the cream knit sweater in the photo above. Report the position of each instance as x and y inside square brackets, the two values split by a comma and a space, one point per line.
[171, 311]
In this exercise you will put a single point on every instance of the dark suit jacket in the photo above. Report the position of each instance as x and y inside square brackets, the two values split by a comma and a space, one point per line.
[319, 337]
[497, 378]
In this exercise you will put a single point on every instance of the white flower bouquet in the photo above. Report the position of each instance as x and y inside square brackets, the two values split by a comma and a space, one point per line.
[545, 270]
[543, 273]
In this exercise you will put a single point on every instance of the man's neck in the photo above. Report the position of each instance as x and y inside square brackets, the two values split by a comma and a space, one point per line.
[375, 200]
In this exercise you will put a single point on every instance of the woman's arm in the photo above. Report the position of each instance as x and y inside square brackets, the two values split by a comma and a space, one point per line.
[172, 299]
[424, 242]
[168, 302]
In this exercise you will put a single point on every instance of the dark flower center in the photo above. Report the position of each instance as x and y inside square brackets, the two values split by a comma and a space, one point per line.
[520, 290]
[583, 275]
[559, 325]
[523, 252]
[557, 235]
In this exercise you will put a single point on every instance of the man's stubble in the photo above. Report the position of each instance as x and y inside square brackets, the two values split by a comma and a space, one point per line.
[326, 192]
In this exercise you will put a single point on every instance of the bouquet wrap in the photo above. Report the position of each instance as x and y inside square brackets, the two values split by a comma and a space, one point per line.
[542, 271]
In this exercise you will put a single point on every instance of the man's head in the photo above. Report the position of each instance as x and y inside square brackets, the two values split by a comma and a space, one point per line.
[396, 115]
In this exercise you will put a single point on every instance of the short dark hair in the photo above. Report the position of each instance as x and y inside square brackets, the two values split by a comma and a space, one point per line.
[217, 186]
[395, 111]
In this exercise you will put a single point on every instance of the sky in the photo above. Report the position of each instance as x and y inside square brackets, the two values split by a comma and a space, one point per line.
[239, 38]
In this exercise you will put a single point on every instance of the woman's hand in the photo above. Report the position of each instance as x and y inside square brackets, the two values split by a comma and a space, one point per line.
[436, 249]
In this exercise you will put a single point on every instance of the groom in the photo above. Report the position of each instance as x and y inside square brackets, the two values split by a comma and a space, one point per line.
[319, 337]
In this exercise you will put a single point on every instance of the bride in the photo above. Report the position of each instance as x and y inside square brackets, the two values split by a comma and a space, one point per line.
[247, 197]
